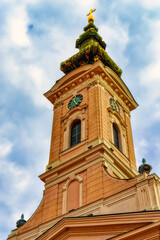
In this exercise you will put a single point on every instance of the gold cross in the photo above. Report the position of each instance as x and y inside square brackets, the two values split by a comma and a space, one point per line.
[90, 12]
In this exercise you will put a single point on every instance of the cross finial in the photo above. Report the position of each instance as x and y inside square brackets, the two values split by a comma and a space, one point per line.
[143, 160]
[91, 18]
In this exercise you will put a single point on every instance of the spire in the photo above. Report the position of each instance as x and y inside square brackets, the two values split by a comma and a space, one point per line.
[91, 49]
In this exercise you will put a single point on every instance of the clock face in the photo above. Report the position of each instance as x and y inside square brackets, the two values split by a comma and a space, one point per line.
[114, 105]
[75, 101]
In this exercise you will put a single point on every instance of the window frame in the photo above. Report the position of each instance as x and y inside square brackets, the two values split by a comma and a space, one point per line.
[78, 113]
[75, 132]
[116, 128]
[116, 136]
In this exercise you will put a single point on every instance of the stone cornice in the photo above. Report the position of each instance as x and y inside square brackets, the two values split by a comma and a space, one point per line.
[139, 232]
[104, 221]
[108, 79]
[100, 148]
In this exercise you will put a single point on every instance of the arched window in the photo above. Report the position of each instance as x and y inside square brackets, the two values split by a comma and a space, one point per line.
[76, 133]
[116, 136]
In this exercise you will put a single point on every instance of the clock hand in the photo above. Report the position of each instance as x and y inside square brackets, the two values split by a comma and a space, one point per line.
[74, 101]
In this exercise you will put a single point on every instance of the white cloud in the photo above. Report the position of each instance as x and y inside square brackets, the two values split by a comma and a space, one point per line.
[145, 3]
[36, 84]
[150, 75]
[85, 6]
[80, 5]
[10, 171]
[5, 148]
[16, 182]
[17, 27]
[150, 4]
[117, 37]
[20, 2]
[29, 78]
[59, 38]
[141, 149]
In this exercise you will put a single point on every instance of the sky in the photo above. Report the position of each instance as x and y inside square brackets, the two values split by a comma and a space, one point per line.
[35, 37]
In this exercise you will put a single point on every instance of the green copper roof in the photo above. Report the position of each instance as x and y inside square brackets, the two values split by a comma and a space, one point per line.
[91, 49]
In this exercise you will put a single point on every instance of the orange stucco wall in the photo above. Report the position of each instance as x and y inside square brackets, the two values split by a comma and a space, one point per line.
[97, 184]
[98, 124]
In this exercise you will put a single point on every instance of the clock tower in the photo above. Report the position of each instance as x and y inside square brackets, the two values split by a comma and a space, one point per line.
[92, 187]
[93, 98]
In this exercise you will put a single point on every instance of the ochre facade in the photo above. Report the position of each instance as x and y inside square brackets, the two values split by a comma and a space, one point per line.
[92, 189]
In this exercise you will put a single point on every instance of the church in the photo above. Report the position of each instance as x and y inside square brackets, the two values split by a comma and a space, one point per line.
[93, 190]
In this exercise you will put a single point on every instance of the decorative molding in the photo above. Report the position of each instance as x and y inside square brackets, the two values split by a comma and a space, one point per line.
[89, 73]
[92, 84]
[57, 105]
[117, 115]
[70, 179]
[70, 112]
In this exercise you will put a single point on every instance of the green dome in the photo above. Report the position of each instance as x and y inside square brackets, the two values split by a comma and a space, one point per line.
[91, 49]
[21, 221]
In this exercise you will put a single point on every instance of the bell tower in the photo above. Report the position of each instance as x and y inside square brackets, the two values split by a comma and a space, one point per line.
[93, 96]
[91, 173]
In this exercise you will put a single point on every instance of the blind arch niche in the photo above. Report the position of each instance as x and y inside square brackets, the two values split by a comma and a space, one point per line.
[74, 183]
